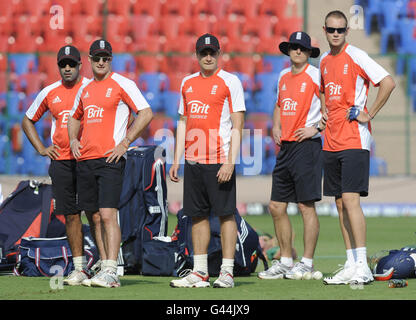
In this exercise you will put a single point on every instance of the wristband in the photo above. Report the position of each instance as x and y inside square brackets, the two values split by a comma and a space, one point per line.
[317, 127]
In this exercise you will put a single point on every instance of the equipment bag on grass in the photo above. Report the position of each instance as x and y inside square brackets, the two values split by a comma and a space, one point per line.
[27, 212]
[143, 204]
[247, 253]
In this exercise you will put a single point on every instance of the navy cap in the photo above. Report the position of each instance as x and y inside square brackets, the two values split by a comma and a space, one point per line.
[301, 38]
[101, 46]
[69, 52]
[207, 41]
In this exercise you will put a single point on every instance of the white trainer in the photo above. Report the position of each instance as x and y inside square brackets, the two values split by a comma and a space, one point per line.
[225, 280]
[191, 279]
[104, 279]
[76, 277]
[341, 276]
[363, 274]
[298, 270]
[276, 271]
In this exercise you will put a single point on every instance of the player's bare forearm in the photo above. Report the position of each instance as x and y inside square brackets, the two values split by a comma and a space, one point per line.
[180, 140]
[277, 131]
[385, 89]
[237, 119]
[139, 124]
[29, 129]
[74, 126]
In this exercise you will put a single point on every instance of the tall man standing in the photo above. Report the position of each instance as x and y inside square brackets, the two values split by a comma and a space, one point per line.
[58, 98]
[209, 130]
[298, 172]
[346, 73]
[104, 105]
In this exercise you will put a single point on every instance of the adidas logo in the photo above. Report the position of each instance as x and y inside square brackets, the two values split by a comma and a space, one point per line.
[284, 87]
[189, 90]
[86, 95]
[56, 100]
[325, 72]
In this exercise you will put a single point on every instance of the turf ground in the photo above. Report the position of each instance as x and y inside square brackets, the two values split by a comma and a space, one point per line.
[383, 233]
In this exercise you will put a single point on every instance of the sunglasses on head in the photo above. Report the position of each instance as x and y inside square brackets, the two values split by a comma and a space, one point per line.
[98, 58]
[295, 47]
[339, 30]
[64, 63]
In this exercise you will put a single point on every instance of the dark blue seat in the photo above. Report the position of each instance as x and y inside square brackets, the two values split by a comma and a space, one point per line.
[372, 10]
[170, 103]
[389, 20]
[123, 62]
[406, 43]
[151, 85]
[23, 63]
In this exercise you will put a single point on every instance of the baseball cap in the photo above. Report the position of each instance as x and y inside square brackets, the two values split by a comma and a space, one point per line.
[301, 38]
[101, 46]
[207, 41]
[69, 52]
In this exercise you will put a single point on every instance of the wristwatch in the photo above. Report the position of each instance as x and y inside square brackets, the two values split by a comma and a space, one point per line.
[318, 127]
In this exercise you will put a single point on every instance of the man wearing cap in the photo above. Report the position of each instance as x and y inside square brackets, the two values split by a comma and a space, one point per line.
[209, 131]
[103, 106]
[346, 73]
[297, 175]
[58, 99]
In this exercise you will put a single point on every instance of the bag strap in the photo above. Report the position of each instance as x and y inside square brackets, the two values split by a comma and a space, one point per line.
[262, 257]
[46, 209]
[64, 255]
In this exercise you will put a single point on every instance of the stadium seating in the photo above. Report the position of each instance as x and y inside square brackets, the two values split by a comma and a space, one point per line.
[153, 43]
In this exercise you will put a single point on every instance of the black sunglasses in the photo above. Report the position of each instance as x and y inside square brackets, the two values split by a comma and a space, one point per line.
[64, 63]
[98, 58]
[332, 30]
[294, 46]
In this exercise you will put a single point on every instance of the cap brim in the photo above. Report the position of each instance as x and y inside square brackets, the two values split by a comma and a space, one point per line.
[284, 48]
[207, 46]
[97, 51]
[69, 58]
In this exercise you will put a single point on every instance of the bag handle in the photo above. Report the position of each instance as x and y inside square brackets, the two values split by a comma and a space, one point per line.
[37, 261]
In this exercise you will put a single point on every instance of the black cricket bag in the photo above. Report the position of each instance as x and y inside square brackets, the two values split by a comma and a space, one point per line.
[27, 212]
[247, 253]
[143, 212]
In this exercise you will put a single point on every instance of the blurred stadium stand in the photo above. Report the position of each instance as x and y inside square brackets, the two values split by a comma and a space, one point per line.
[153, 43]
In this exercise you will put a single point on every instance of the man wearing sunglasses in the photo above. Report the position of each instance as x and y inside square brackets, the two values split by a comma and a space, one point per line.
[346, 73]
[58, 99]
[103, 106]
[209, 131]
[297, 123]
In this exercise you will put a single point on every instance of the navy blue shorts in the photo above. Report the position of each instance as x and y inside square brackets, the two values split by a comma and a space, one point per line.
[203, 195]
[346, 171]
[99, 184]
[297, 175]
[64, 186]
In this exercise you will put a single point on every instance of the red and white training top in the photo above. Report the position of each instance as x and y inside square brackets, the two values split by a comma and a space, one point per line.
[104, 107]
[345, 80]
[298, 100]
[59, 100]
[208, 103]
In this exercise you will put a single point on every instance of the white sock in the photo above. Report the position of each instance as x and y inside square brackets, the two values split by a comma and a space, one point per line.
[109, 265]
[80, 263]
[228, 265]
[308, 262]
[351, 257]
[201, 263]
[288, 262]
[361, 255]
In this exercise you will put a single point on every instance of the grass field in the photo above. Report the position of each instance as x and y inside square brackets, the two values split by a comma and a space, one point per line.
[383, 233]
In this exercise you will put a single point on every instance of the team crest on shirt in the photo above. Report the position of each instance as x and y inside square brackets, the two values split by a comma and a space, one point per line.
[303, 87]
[108, 94]
[214, 89]
[346, 68]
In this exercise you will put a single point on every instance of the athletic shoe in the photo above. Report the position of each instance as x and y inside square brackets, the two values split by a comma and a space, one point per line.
[276, 271]
[341, 276]
[196, 279]
[363, 274]
[76, 277]
[299, 268]
[225, 280]
[105, 279]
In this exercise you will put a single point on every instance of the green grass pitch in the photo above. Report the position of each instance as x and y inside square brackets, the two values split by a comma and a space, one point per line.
[382, 234]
